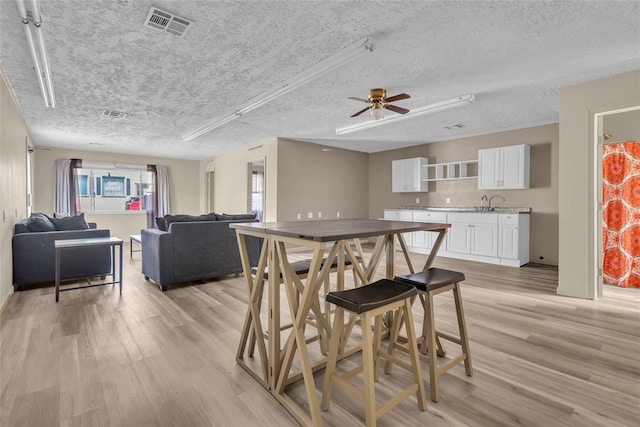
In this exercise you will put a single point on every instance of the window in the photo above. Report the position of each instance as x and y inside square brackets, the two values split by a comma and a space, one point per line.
[111, 189]
[83, 185]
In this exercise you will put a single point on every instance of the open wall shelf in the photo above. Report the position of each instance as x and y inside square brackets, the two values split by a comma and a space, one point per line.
[464, 169]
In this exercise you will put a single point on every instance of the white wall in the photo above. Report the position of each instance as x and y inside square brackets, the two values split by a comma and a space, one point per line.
[578, 251]
[14, 138]
[231, 179]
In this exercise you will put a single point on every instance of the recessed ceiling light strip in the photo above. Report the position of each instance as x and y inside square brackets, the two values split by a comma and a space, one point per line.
[329, 64]
[427, 109]
[39, 54]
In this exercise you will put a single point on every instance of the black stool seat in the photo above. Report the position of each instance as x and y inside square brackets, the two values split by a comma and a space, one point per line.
[431, 279]
[300, 267]
[370, 297]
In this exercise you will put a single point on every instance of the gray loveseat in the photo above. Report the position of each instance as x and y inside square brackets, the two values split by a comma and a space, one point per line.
[34, 255]
[194, 251]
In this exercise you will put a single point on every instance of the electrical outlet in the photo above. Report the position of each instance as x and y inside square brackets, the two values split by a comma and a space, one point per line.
[417, 200]
[337, 214]
[448, 200]
[310, 215]
[299, 216]
[319, 214]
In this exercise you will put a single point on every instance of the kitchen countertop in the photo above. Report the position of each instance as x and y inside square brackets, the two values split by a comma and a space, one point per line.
[470, 209]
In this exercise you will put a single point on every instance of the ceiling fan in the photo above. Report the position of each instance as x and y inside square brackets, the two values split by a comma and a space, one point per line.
[378, 100]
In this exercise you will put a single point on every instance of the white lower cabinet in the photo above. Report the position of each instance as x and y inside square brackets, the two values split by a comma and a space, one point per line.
[459, 237]
[401, 215]
[485, 237]
[513, 234]
[473, 233]
[425, 240]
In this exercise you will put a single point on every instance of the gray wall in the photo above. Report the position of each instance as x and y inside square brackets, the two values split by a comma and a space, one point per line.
[313, 180]
[542, 197]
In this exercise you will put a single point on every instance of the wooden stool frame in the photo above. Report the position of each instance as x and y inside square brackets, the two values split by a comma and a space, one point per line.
[430, 339]
[371, 353]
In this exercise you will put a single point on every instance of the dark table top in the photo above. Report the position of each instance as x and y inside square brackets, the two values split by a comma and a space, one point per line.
[337, 229]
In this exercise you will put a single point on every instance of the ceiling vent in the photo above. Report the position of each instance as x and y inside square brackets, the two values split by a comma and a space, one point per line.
[455, 126]
[165, 21]
[115, 114]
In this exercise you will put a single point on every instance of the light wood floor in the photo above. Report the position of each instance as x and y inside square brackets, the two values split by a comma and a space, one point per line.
[148, 358]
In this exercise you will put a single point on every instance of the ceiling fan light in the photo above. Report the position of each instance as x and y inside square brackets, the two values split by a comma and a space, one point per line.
[377, 113]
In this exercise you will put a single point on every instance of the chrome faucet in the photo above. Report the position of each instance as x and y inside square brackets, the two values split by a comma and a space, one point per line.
[492, 197]
[482, 202]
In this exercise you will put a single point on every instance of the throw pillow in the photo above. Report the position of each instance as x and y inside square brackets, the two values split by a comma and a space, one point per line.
[161, 224]
[39, 223]
[228, 217]
[70, 223]
[169, 219]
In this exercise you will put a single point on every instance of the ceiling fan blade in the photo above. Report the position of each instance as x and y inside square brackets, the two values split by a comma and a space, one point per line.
[397, 97]
[358, 99]
[396, 109]
[362, 111]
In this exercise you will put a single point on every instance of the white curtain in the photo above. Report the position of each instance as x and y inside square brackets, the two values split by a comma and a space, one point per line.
[163, 191]
[62, 187]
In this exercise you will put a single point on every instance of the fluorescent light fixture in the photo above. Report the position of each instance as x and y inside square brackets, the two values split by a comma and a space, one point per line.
[323, 67]
[427, 109]
[39, 53]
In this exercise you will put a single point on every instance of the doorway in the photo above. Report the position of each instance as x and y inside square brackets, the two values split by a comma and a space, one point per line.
[256, 188]
[617, 135]
[210, 190]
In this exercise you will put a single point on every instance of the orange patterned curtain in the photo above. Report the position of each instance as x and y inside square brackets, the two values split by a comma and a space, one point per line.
[621, 198]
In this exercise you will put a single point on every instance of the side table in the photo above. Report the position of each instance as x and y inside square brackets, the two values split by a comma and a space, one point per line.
[60, 245]
[134, 238]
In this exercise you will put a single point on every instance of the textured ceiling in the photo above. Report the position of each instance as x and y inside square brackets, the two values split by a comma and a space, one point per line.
[514, 56]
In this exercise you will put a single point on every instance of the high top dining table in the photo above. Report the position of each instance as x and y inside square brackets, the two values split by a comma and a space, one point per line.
[328, 240]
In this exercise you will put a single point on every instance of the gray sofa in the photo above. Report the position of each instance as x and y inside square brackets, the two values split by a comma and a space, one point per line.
[194, 251]
[34, 256]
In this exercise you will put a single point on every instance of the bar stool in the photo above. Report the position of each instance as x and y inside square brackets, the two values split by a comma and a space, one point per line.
[372, 302]
[301, 268]
[429, 283]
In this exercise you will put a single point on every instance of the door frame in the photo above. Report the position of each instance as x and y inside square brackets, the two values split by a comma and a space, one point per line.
[595, 287]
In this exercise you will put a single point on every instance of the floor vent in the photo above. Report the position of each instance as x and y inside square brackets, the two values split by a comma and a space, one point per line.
[115, 114]
[165, 21]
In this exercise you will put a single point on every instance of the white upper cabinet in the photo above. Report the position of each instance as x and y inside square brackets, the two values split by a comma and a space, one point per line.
[504, 168]
[407, 175]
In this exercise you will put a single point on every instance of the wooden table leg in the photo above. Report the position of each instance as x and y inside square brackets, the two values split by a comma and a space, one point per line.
[252, 326]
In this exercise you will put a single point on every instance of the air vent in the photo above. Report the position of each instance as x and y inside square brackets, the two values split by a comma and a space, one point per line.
[455, 126]
[115, 114]
[165, 21]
